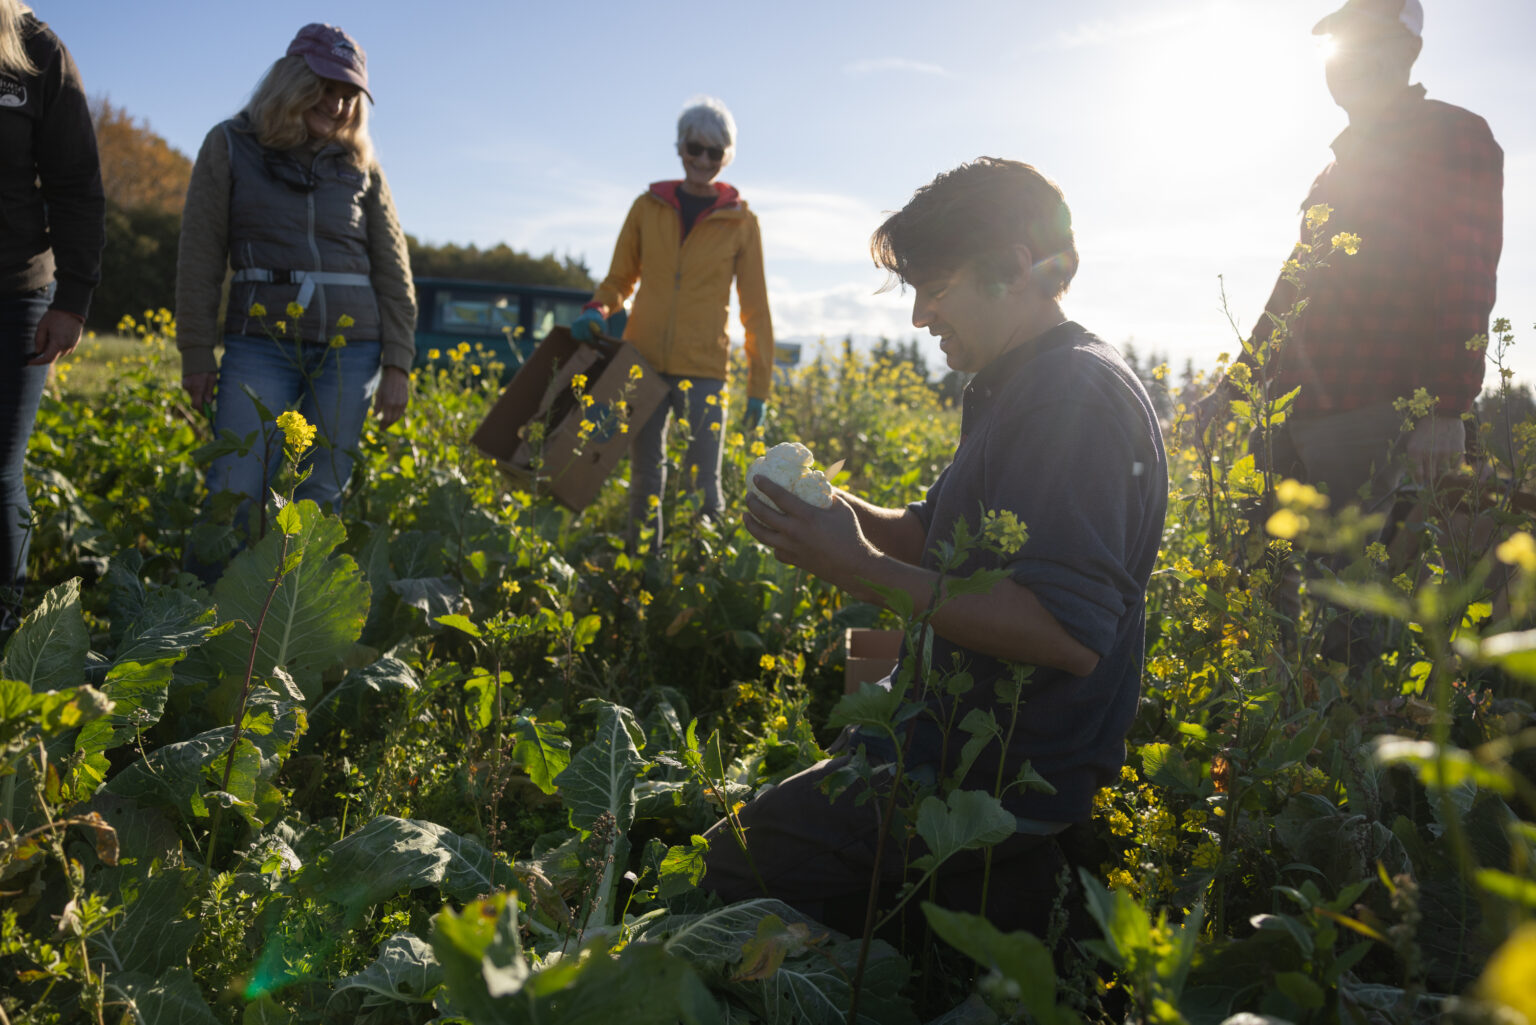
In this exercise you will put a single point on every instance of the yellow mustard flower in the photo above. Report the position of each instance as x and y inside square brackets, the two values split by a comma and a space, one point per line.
[1318, 215]
[256, 310]
[578, 382]
[758, 448]
[294, 310]
[298, 432]
[434, 354]
[635, 373]
[338, 341]
[1519, 550]
[710, 400]
[587, 400]
[780, 723]
[684, 385]
[1347, 241]
[345, 320]
[766, 662]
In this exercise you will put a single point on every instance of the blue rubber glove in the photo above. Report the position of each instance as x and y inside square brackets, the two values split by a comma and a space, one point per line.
[588, 326]
[753, 417]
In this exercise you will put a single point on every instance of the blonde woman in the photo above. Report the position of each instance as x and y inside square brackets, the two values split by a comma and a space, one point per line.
[289, 196]
[52, 223]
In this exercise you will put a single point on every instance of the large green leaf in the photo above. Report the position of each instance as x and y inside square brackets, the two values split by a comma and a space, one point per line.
[967, 819]
[389, 855]
[165, 622]
[713, 941]
[600, 779]
[482, 962]
[406, 971]
[47, 652]
[316, 613]
[169, 999]
[489, 981]
[816, 989]
[434, 596]
[359, 692]
[180, 775]
[138, 692]
[542, 749]
[1019, 957]
[156, 933]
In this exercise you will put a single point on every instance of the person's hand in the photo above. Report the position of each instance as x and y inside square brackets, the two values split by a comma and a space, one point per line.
[57, 335]
[753, 417]
[393, 395]
[826, 542]
[1437, 446]
[200, 388]
[588, 326]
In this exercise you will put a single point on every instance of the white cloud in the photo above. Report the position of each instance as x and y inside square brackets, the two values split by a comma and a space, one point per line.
[877, 65]
[833, 313]
[821, 227]
[1110, 30]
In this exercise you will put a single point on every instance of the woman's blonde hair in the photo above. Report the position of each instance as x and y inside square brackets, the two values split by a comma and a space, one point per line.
[13, 49]
[276, 110]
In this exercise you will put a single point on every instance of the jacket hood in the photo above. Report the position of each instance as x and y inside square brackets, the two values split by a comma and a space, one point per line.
[727, 199]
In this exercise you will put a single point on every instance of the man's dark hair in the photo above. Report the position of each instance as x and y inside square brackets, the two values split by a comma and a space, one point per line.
[976, 214]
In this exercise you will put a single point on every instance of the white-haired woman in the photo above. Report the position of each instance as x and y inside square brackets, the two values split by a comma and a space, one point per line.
[683, 243]
[288, 194]
[52, 223]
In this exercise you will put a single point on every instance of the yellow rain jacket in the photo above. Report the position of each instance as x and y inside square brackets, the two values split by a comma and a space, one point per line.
[678, 319]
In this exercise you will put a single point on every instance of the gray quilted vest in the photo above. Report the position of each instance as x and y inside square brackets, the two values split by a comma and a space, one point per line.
[297, 233]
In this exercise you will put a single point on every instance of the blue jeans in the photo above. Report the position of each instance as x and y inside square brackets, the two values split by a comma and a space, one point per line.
[706, 448]
[330, 387]
[21, 389]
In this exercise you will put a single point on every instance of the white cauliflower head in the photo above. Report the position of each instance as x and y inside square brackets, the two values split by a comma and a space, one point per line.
[788, 464]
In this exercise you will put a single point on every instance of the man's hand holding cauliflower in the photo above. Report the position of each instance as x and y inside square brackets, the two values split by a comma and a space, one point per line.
[805, 521]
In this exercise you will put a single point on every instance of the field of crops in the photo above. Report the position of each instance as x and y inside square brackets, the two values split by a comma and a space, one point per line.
[446, 757]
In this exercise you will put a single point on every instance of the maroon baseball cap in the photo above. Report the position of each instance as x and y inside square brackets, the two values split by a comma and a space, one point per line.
[331, 53]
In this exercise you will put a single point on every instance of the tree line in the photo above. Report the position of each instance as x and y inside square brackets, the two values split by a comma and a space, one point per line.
[145, 179]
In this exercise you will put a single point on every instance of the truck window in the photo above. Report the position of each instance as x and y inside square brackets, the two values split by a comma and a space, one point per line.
[549, 313]
[476, 313]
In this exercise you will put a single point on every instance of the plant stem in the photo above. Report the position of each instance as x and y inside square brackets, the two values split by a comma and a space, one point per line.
[245, 694]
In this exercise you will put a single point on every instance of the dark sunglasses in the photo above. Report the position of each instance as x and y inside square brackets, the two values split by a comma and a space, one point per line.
[698, 149]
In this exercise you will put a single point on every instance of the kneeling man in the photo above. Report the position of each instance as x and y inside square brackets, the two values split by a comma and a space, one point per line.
[1056, 429]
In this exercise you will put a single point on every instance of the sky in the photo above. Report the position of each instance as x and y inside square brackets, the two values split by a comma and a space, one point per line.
[1184, 133]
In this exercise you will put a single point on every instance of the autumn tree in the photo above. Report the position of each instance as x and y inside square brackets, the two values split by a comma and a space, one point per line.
[145, 179]
[139, 169]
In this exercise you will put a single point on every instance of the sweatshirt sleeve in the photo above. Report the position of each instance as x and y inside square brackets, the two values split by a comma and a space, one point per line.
[752, 291]
[69, 172]
[624, 268]
[389, 262]
[203, 256]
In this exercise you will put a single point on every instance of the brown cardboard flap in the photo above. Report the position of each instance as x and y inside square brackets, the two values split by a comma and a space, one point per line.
[573, 468]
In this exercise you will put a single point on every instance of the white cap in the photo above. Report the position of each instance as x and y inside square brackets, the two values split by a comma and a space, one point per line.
[1409, 14]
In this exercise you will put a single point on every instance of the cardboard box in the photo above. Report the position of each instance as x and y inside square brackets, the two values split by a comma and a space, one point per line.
[872, 655]
[569, 467]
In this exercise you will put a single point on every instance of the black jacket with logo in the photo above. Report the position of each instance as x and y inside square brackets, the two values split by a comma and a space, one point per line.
[52, 209]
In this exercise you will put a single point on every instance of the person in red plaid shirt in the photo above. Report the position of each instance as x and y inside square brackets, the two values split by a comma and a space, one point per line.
[1420, 182]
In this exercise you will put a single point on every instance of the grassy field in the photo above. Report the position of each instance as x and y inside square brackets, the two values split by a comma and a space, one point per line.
[102, 361]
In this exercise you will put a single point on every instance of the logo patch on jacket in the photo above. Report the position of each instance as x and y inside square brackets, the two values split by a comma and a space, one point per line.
[12, 92]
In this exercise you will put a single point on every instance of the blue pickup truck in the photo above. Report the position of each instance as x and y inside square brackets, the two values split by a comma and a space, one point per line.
[501, 322]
